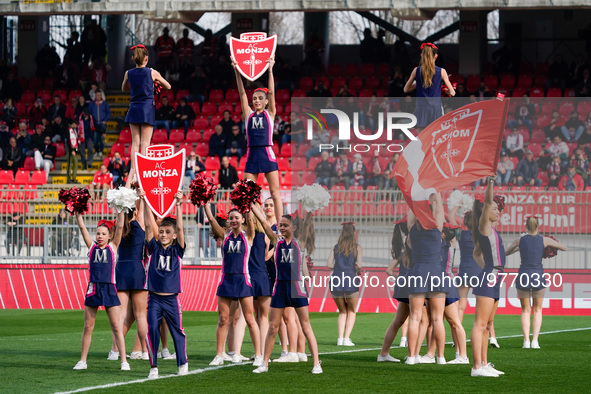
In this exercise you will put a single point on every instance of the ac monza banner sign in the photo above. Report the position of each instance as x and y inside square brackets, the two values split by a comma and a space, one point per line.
[160, 174]
[458, 148]
[251, 52]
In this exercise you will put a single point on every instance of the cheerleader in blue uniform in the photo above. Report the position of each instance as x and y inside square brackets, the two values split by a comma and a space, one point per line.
[289, 289]
[530, 282]
[235, 280]
[427, 79]
[101, 291]
[345, 259]
[141, 115]
[426, 246]
[402, 259]
[490, 255]
[259, 134]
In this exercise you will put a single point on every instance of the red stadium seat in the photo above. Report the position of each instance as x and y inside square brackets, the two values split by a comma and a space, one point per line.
[569, 92]
[31, 190]
[282, 95]
[536, 92]
[538, 136]
[62, 93]
[507, 81]
[518, 92]
[45, 95]
[383, 69]
[212, 163]
[554, 92]
[285, 150]
[313, 162]
[215, 120]
[226, 106]
[35, 83]
[12, 193]
[566, 108]
[208, 109]
[120, 147]
[232, 96]
[584, 108]
[368, 69]
[74, 93]
[159, 136]
[338, 192]
[22, 177]
[308, 178]
[365, 93]
[201, 122]
[60, 150]
[351, 69]
[177, 135]
[299, 164]
[518, 189]
[38, 178]
[241, 167]
[372, 82]
[193, 135]
[6, 177]
[491, 81]
[188, 147]
[286, 178]
[355, 83]
[100, 208]
[536, 149]
[338, 81]
[29, 164]
[216, 95]
[283, 163]
[207, 134]
[202, 149]
[181, 93]
[298, 93]
[125, 135]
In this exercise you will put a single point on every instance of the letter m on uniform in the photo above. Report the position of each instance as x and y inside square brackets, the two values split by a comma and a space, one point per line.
[100, 256]
[286, 255]
[234, 246]
[257, 123]
[163, 263]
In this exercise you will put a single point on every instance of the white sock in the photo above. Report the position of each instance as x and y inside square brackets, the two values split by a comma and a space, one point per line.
[457, 355]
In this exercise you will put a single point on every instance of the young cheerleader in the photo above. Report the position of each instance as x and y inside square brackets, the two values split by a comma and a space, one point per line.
[141, 115]
[427, 78]
[426, 245]
[235, 280]
[530, 282]
[163, 281]
[345, 259]
[490, 255]
[101, 284]
[401, 253]
[259, 134]
[289, 289]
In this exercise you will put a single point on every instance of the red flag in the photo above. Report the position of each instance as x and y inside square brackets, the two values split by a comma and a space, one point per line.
[458, 148]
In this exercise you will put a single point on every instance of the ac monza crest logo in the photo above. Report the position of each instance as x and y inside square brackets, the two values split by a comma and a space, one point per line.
[160, 174]
[453, 142]
[251, 52]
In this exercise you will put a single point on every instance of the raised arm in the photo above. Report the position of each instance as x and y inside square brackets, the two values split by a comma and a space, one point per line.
[250, 232]
[448, 85]
[514, 247]
[85, 234]
[217, 229]
[141, 205]
[411, 220]
[179, 220]
[149, 221]
[438, 210]
[330, 261]
[118, 229]
[125, 84]
[241, 92]
[410, 84]
[555, 244]
[271, 88]
[160, 80]
[261, 218]
[483, 225]
[452, 216]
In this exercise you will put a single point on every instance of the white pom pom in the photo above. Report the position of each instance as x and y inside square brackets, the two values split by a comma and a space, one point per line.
[122, 199]
[312, 197]
[464, 201]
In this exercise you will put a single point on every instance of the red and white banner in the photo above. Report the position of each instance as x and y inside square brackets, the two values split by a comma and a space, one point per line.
[458, 148]
[160, 174]
[251, 52]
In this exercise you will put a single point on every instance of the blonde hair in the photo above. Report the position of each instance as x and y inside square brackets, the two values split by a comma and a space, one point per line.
[139, 55]
[427, 64]
[532, 224]
[347, 243]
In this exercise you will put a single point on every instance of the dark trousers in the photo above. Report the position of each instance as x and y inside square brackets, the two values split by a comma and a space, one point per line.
[166, 307]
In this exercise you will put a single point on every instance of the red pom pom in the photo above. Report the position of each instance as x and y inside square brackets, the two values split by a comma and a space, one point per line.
[245, 193]
[309, 262]
[202, 190]
[157, 89]
[549, 251]
[76, 200]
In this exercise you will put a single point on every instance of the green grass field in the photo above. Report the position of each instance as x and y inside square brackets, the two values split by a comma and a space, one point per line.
[39, 348]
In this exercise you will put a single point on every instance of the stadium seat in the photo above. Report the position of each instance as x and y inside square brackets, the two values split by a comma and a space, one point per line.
[285, 150]
[569, 92]
[181, 93]
[518, 92]
[554, 92]
[226, 106]
[207, 134]
[355, 83]
[125, 135]
[365, 93]
[507, 81]
[538, 136]
[193, 135]
[215, 120]
[22, 178]
[188, 147]
[518, 189]
[176, 135]
[566, 108]
[383, 69]
[208, 109]
[232, 96]
[351, 69]
[212, 163]
[120, 147]
[313, 162]
[29, 164]
[12, 193]
[298, 93]
[74, 93]
[283, 163]
[159, 136]
[584, 107]
[282, 95]
[367, 69]
[45, 95]
[62, 93]
[299, 164]
[287, 179]
[201, 122]
[35, 83]
[536, 149]
[241, 167]
[100, 208]
[308, 178]
[372, 82]
[38, 178]
[537, 188]
[6, 177]
[536, 92]
[338, 81]
[216, 95]
[60, 150]
[31, 190]
[202, 149]
[338, 192]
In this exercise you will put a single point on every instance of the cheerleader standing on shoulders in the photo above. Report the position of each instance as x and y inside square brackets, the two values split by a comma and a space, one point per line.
[345, 259]
[402, 259]
[289, 289]
[259, 134]
[490, 255]
[101, 284]
[530, 282]
[235, 280]
[141, 115]
[163, 281]
[426, 246]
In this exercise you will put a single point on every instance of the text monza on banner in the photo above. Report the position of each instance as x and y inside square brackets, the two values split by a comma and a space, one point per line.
[251, 51]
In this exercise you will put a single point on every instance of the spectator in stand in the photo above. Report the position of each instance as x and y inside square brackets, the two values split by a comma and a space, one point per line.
[377, 177]
[194, 166]
[73, 49]
[5, 134]
[71, 109]
[67, 75]
[93, 41]
[324, 170]
[524, 114]
[573, 128]
[227, 175]
[37, 112]
[227, 123]
[206, 242]
[319, 90]
[45, 156]
[63, 233]
[482, 91]
[297, 133]
[571, 181]
[396, 83]
[343, 171]
[9, 113]
[217, 143]
[184, 115]
[23, 140]
[165, 49]
[81, 105]
[94, 89]
[197, 84]
[117, 167]
[165, 115]
[514, 143]
[557, 73]
[552, 129]
[86, 148]
[368, 47]
[72, 143]
[103, 180]
[581, 162]
[11, 88]
[504, 170]
[101, 113]
[390, 180]
[359, 171]
[99, 71]
[47, 61]
[38, 139]
[56, 109]
[15, 234]
[344, 92]
[577, 68]
[554, 171]
[184, 50]
[235, 143]
[558, 147]
[527, 171]
[583, 85]
[320, 137]
[57, 130]
[13, 157]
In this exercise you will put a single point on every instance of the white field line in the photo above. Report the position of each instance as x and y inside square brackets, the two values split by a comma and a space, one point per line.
[202, 370]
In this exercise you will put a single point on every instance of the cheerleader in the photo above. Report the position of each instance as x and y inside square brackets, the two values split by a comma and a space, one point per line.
[289, 289]
[427, 79]
[490, 255]
[426, 245]
[141, 115]
[101, 289]
[259, 134]
[402, 259]
[530, 282]
[345, 260]
[235, 280]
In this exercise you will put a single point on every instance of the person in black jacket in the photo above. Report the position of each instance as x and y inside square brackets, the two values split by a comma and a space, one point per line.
[56, 109]
[324, 170]
[165, 115]
[227, 175]
[13, 157]
[184, 115]
[343, 170]
[235, 143]
[217, 143]
[45, 156]
[15, 234]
